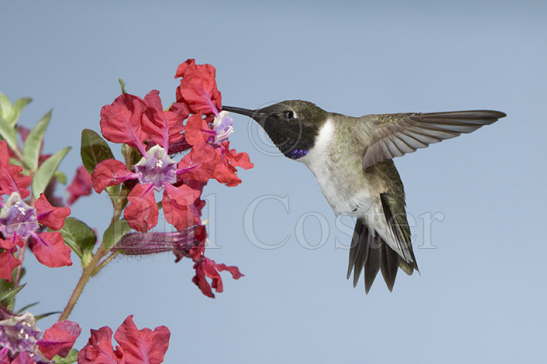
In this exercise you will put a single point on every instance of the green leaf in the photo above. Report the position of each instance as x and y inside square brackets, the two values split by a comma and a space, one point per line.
[80, 238]
[114, 233]
[11, 112]
[94, 149]
[122, 85]
[20, 104]
[46, 171]
[16, 162]
[7, 132]
[47, 314]
[10, 293]
[26, 307]
[60, 177]
[6, 107]
[71, 357]
[131, 155]
[33, 143]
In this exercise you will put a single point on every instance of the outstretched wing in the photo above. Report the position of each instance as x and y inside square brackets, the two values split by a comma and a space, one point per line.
[394, 135]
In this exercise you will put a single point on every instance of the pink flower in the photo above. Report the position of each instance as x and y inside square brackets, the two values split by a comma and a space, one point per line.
[198, 88]
[135, 346]
[11, 176]
[207, 269]
[22, 342]
[138, 123]
[80, 185]
[22, 223]
[59, 339]
[7, 260]
[211, 151]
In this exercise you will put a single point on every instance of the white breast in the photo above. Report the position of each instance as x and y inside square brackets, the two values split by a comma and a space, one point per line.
[320, 163]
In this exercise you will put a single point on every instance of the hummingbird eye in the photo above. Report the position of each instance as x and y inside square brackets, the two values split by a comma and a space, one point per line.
[288, 115]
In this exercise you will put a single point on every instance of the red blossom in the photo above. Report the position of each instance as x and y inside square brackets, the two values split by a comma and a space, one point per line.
[99, 349]
[158, 133]
[59, 339]
[207, 268]
[136, 346]
[23, 358]
[109, 172]
[198, 88]
[7, 264]
[11, 176]
[141, 212]
[142, 346]
[163, 127]
[121, 122]
[49, 215]
[80, 185]
[178, 206]
[50, 249]
[215, 162]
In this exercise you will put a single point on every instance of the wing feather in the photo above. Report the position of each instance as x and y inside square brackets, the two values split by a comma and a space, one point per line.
[394, 135]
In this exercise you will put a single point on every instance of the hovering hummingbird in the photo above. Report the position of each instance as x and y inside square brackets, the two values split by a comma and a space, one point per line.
[351, 157]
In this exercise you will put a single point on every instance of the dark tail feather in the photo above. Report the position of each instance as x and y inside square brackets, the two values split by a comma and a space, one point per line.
[370, 252]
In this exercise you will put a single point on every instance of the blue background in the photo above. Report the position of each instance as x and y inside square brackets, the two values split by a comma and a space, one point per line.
[480, 297]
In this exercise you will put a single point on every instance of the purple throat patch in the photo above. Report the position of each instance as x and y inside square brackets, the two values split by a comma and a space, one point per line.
[298, 153]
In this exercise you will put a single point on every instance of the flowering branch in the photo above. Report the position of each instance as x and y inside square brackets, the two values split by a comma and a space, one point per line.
[169, 157]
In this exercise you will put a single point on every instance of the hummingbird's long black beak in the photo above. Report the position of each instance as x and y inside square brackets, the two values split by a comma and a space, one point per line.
[255, 114]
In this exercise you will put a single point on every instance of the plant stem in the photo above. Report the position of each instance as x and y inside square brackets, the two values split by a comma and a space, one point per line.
[104, 263]
[89, 271]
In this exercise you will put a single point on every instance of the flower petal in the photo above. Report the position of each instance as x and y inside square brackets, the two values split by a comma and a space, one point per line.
[204, 159]
[196, 129]
[142, 346]
[207, 268]
[59, 339]
[198, 87]
[11, 177]
[7, 244]
[49, 215]
[99, 349]
[226, 174]
[110, 172]
[178, 206]
[80, 185]
[23, 358]
[7, 264]
[236, 159]
[121, 122]
[142, 212]
[50, 249]
[163, 127]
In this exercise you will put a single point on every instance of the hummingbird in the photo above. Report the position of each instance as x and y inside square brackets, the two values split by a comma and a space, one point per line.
[352, 160]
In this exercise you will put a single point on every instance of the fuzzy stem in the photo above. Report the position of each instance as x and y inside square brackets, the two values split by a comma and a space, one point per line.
[87, 273]
[104, 263]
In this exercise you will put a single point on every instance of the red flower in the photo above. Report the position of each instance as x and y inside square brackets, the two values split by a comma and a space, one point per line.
[207, 268]
[99, 349]
[80, 185]
[140, 123]
[22, 223]
[212, 154]
[135, 346]
[198, 88]
[121, 122]
[7, 264]
[132, 120]
[22, 341]
[11, 178]
[59, 339]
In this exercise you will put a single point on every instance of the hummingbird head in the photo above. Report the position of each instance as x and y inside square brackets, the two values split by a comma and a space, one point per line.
[292, 125]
